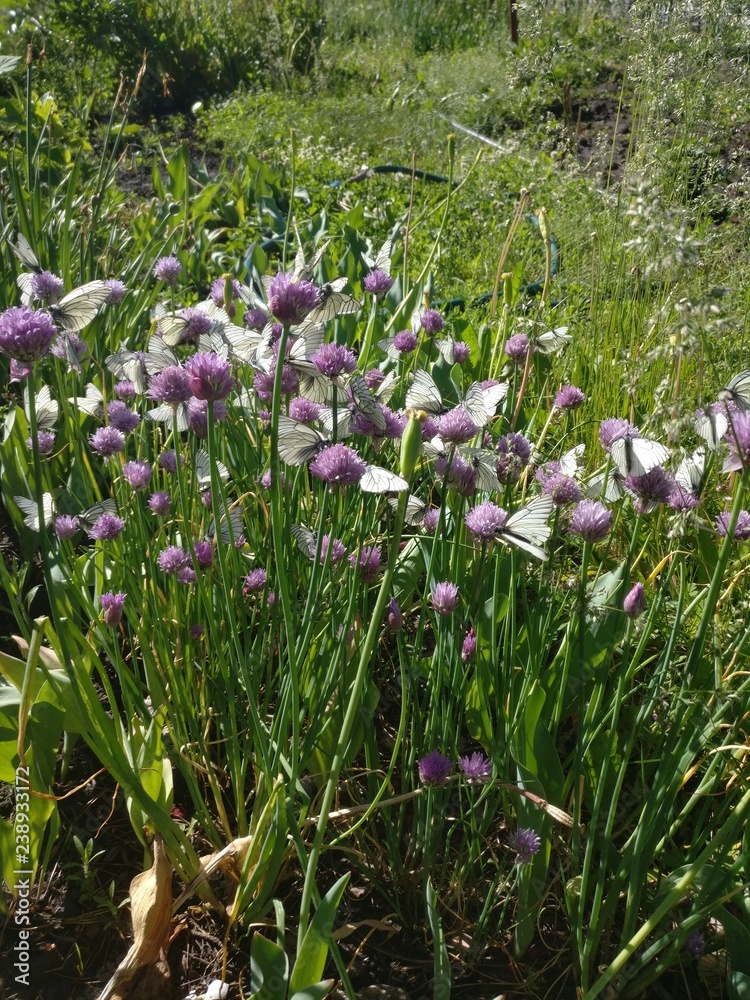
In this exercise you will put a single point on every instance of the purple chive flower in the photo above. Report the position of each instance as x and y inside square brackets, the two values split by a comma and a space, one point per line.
[485, 520]
[171, 386]
[393, 616]
[66, 525]
[18, 370]
[378, 283]
[742, 528]
[168, 461]
[112, 605]
[461, 352]
[339, 465]
[266, 480]
[210, 377]
[186, 575]
[683, 500]
[290, 301]
[430, 520]
[650, 490]
[444, 598]
[173, 559]
[432, 322]
[514, 452]
[71, 348]
[429, 428]
[122, 418]
[337, 550]
[561, 488]
[107, 528]
[405, 341]
[367, 560]
[204, 554]
[217, 294]
[434, 768]
[255, 580]
[138, 474]
[207, 499]
[469, 646]
[167, 269]
[475, 768]
[196, 632]
[117, 291]
[695, 943]
[738, 439]
[304, 410]
[456, 426]
[124, 389]
[159, 504]
[374, 379]
[591, 520]
[395, 424]
[634, 603]
[197, 415]
[45, 441]
[334, 360]
[462, 475]
[255, 319]
[198, 323]
[517, 347]
[46, 286]
[263, 383]
[614, 428]
[26, 334]
[525, 843]
[569, 398]
[107, 441]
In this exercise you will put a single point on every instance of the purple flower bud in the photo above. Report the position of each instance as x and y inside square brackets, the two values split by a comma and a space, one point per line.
[26, 335]
[255, 580]
[394, 617]
[742, 528]
[367, 560]
[517, 347]
[434, 768]
[462, 476]
[173, 559]
[117, 291]
[204, 554]
[475, 768]
[525, 843]
[112, 605]
[107, 528]
[19, 370]
[186, 575]
[562, 489]
[378, 283]
[339, 465]
[405, 341]
[635, 601]
[337, 550]
[210, 377]
[444, 598]
[107, 441]
[461, 352]
[66, 526]
[430, 520]
[122, 418]
[591, 520]
[290, 301]
[45, 440]
[138, 474]
[432, 322]
[469, 646]
[304, 410]
[485, 520]
[167, 269]
[159, 504]
[569, 398]
[196, 632]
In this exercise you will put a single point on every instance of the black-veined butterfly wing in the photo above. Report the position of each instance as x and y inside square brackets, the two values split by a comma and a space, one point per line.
[230, 524]
[386, 345]
[712, 427]
[485, 464]
[423, 394]
[307, 541]
[613, 491]
[446, 347]
[159, 356]
[528, 529]
[377, 480]
[203, 470]
[570, 461]
[366, 403]
[415, 509]
[91, 402]
[78, 308]
[298, 443]
[30, 510]
[637, 456]
[165, 414]
[553, 340]
[382, 261]
[691, 470]
[737, 389]
[172, 328]
[343, 420]
[22, 249]
[91, 515]
[333, 302]
[46, 408]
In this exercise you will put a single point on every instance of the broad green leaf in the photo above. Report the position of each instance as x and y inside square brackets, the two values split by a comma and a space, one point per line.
[269, 969]
[313, 953]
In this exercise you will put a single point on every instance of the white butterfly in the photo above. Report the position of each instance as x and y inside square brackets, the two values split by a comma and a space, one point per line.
[711, 427]
[737, 389]
[614, 490]
[479, 403]
[159, 356]
[553, 340]
[484, 463]
[298, 443]
[333, 302]
[423, 394]
[30, 510]
[303, 270]
[363, 400]
[415, 509]
[690, 471]
[377, 480]
[125, 364]
[203, 470]
[165, 414]
[91, 515]
[22, 250]
[446, 346]
[46, 408]
[382, 261]
[527, 528]
[570, 462]
[636, 456]
[230, 524]
[307, 541]
[91, 402]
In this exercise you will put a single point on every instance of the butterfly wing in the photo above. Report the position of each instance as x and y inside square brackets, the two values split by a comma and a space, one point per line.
[159, 356]
[570, 462]
[307, 541]
[172, 329]
[738, 390]
[551, 341]
[46, 408]
[366, 403]
[690, 472]
[30, 510]
[423, 394]
[711, 427]
[415, 509]
[22, 249]
[637, 456]
[528, 529]
[446, 346]
[164, 414]
[377, 480]
[91, 402]
[78, 308]
[298, 443]
[485, 464]
[230, 524]
[91, 515]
